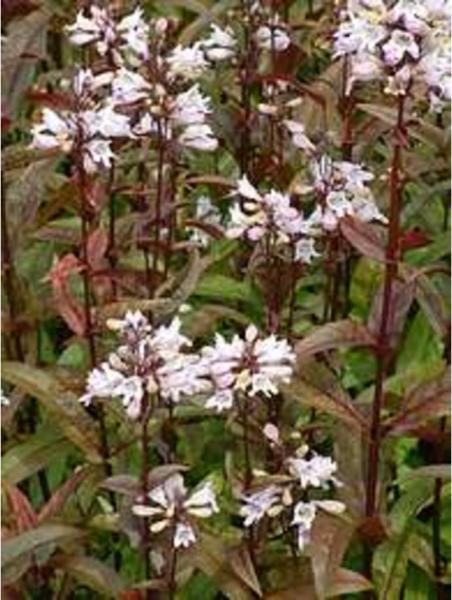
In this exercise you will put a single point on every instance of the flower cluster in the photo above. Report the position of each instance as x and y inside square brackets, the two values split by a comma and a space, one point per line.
[149, 361]
[271, 214]
[169, 506]
[111, 38]
[251, 366]
[303, 474]
[131, 99]
[89, 127]
[406, 43]
[341, 189]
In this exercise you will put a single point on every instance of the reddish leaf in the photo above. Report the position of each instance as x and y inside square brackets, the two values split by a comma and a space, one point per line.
[60, 497]
[413, 238]
[340, 334]
[97, 247]
[364, 237]
[65, 302]
[427, 401]
[21, 509]
[402, 295]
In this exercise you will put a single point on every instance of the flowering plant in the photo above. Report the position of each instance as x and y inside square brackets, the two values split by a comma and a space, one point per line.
[226, 339]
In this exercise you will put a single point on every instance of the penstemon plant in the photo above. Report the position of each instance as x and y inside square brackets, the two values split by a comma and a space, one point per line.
[226, 334]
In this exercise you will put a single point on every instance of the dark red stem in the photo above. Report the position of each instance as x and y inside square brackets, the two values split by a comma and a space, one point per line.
[383, 350]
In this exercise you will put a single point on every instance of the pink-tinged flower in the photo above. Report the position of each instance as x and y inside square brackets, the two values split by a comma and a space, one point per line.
[251, 366]
[149, 360]
[266, 502]
[399, 44]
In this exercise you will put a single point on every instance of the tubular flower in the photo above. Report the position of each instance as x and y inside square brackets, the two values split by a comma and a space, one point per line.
[129, 34]
[270, 214]
[149, 360]
[169, 505]
[252, 366]
[406, 44]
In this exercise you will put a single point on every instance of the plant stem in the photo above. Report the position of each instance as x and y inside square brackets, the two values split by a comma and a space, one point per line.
[159, 198]
[245, 90]
[383, 350]
[89, 330]
[112, 251]
[172, 572]
[144, 485]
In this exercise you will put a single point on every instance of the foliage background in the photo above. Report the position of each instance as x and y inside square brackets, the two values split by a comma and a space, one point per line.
[63, 546]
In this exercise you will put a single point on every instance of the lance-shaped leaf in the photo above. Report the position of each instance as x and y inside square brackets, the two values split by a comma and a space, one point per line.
[19, 547]
[339, 334]
[24, 47]
[92, 573]
[330, 538]
[22, 512]
[66, 304]
[364, 237]
[428, 400]
[401, 297]
[27, 458]
[390, 560]
[63, 405]
[337, 406]
[59, 498]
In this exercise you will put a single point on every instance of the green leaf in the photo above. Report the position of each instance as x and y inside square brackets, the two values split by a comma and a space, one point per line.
[63, 405]
[429, 472]
[19, 547]
[38, 451]
[92, 573]
[225, 288]
[390, 560]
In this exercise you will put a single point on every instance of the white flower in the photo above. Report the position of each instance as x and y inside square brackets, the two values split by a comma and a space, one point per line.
[305, 250]
[99, 28]
[134, 32]
[304, 516]
[169, 505]
[220, 45]
[299, 137]
[399, 44]
[358, 35]
[151, 359]
[191, 107]
[106, 382]
[187, 63]
[97, 153]
[53, 131]
[199, 137]
[207, 213]
[272, 36]
[261, 503]
[221, 400]
[252, 366]
[128, 87]
[130, 33]
[184, 536]
[112, 124]
[317, 471]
